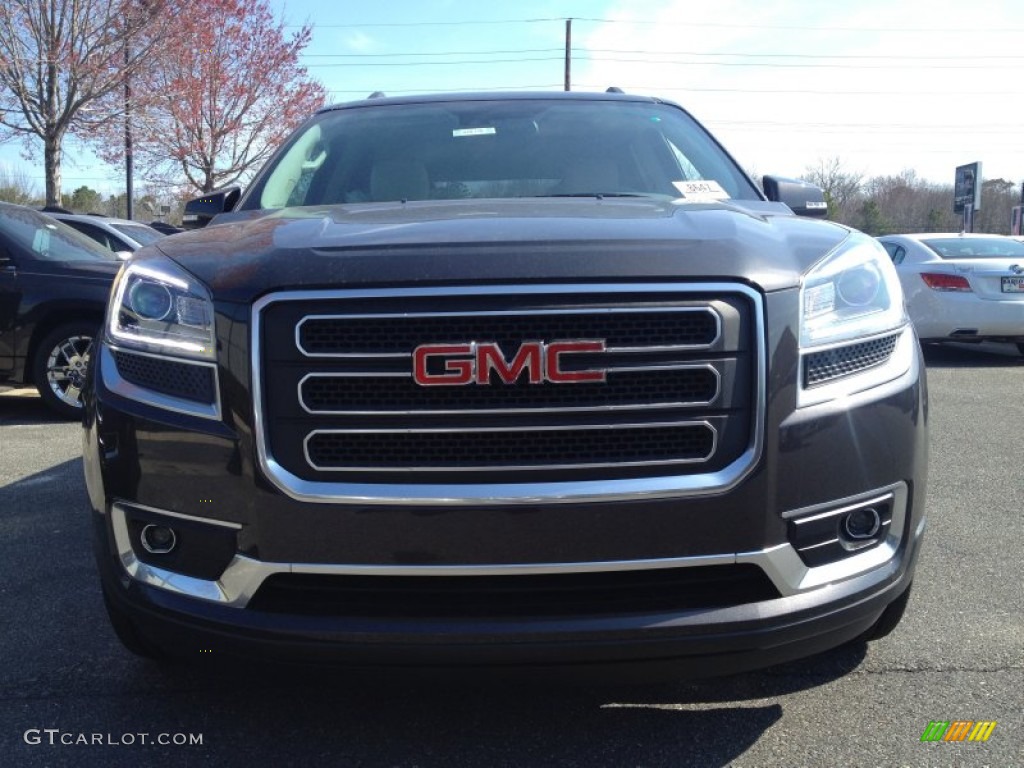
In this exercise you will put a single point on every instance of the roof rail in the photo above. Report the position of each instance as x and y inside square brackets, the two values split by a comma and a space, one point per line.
[614, 89]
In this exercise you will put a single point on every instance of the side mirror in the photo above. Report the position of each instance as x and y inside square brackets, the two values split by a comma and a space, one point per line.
[803, 198]
[199, 211]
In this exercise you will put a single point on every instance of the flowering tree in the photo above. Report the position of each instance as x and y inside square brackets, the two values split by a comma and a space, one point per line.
[224, 95]
[60, 59]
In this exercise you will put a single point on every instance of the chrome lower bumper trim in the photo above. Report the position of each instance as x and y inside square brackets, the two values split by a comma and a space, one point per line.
[244, 575]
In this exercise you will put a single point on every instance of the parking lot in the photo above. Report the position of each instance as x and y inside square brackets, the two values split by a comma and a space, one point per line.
[958, 655]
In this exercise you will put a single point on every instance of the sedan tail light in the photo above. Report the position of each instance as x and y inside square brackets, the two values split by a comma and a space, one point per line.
[940, 281]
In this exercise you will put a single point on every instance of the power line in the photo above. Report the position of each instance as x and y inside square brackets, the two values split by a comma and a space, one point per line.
[638, 89]
[463, 23]
[766, 65]
[660, 23]
[430, 53]
[902, 30]
[481, 89]
[434, 63]
[711, 54]
[785, 65]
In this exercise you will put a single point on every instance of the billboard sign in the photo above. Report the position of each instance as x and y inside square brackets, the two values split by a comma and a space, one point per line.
[967, 187]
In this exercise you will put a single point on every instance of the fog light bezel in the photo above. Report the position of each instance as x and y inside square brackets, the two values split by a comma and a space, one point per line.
[819, 535]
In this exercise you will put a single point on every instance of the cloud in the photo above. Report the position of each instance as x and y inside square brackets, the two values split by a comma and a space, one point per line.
[360, 42]
[885, 86]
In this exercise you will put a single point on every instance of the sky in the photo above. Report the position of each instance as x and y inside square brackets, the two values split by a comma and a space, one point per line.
[885, 86]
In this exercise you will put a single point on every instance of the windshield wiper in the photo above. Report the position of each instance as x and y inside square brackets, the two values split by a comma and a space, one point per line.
[597, 195]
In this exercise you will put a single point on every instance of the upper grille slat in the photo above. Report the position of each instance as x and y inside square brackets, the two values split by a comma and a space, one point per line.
[667, 328]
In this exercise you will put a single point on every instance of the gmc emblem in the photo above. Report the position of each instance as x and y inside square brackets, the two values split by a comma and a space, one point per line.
[472, 363]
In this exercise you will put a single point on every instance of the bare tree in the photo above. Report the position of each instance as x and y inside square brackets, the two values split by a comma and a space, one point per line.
[58, 58]
[841, 187]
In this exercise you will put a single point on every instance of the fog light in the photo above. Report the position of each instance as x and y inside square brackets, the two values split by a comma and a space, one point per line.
[862, 523]
[158, 539]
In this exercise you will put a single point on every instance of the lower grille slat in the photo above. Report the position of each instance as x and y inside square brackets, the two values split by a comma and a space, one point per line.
[504, 450]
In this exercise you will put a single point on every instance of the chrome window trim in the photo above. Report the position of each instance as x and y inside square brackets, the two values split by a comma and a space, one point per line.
[112, 379]
[510, 313]
[491, 411]
[511, 467]
[783, 566]
[435, 494]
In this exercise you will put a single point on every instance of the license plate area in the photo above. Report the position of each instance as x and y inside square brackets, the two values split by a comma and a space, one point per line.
[1012, 284]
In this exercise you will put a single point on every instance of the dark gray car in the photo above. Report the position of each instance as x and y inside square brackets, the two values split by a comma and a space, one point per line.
[493, 379]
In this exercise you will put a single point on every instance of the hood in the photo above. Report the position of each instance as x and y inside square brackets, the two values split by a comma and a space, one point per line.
[247, 254]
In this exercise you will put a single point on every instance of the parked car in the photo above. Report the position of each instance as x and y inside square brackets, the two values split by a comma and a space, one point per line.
[165, 228]
[122, 236]
[962, 287]
[54, 284]
[507, 379]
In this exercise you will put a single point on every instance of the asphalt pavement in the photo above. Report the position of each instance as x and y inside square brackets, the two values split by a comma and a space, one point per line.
[71, 696]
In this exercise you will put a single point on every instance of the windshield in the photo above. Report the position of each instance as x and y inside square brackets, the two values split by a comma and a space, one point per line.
[48, 238]
[499, 149]
[140, 233]
[976, 247]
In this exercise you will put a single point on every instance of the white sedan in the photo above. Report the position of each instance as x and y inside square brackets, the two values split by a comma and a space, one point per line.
[962, 287]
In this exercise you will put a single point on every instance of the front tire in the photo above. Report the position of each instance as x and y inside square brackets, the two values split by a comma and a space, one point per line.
[60, 366]
[129, 636]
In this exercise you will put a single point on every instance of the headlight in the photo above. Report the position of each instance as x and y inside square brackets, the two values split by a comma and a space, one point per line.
[854, 332]
[158, 307]
[852, 293]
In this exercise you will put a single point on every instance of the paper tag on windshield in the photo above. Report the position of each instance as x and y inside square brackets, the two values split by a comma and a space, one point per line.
[473, 132]
[700, 191]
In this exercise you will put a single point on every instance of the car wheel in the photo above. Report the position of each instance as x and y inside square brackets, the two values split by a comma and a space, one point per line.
[890, 617]
[129, 636]
[61, 364]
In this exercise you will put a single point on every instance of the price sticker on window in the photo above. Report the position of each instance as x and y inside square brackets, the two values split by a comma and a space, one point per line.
[700, 191]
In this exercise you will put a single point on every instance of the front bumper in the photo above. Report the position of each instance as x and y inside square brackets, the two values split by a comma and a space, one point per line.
[696, 643]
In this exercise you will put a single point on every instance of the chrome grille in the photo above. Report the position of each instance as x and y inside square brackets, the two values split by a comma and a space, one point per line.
[340, 413]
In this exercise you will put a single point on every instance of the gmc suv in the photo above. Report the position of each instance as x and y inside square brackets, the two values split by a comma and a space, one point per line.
[507, 379]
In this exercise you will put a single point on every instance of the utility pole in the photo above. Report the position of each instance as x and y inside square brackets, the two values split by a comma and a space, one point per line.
[568, 54]
[129, 186]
